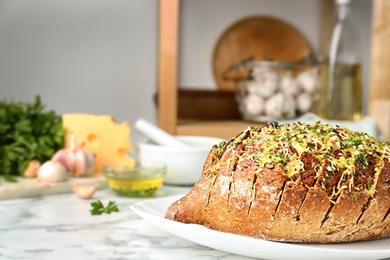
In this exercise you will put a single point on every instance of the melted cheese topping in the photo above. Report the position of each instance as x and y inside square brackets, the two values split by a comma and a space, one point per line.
[285, 144]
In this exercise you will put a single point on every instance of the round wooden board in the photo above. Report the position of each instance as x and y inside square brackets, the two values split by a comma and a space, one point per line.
[257, 37]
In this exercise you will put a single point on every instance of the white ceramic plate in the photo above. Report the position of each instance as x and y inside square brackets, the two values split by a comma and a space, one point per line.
[153, 211]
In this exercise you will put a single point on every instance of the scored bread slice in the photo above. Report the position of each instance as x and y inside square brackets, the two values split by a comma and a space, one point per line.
[294, 182]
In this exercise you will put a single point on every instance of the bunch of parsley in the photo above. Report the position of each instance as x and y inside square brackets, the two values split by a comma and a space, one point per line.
[27, 132]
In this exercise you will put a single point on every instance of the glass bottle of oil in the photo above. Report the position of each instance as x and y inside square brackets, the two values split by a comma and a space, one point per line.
[340, 82]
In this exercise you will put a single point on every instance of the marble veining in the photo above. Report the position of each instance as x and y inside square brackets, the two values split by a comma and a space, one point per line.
[61, 227]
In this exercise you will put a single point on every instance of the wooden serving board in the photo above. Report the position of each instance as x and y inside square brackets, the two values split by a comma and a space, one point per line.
[25, 187]
[257, 37]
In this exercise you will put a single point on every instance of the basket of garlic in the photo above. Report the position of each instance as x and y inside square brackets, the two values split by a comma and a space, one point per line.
[272, 90]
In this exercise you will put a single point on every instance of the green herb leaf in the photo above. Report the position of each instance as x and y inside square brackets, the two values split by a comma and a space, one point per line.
[98, 208]
[362, 159]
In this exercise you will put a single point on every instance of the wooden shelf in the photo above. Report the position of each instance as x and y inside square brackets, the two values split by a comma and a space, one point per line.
[225, 129]
[379, 104]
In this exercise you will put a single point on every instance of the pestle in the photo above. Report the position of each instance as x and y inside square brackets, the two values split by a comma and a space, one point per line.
[158, 135]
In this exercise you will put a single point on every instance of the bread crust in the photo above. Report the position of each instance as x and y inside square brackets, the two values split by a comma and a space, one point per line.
[319, 194]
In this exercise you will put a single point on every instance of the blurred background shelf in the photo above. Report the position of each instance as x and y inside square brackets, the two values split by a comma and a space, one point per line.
[170, 103]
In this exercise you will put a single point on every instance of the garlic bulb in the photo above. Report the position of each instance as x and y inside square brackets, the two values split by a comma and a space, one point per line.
[304, 102]
[289, 107]
[252, 87]
[267, 81]
[266, 91]
[274, 106]
[84, 191]
[52, 171]
[288, 85]
[77, 160]
[32, 169]
[308, 80]
[254, 105]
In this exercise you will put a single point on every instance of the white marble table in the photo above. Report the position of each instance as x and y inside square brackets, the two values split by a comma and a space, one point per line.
[61, 227]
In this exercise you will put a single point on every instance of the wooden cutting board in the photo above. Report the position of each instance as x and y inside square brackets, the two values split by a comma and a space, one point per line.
[259, 37]
[25, 187]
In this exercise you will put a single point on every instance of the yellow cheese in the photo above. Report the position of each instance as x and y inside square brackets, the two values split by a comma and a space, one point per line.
[102, 136]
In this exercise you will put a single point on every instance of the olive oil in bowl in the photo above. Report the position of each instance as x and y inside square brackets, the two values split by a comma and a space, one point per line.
[141, 181]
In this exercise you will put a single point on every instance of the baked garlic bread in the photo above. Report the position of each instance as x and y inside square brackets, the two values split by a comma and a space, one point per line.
[294, 182]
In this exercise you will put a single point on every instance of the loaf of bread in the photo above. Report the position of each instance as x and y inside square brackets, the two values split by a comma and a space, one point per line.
[293, 182]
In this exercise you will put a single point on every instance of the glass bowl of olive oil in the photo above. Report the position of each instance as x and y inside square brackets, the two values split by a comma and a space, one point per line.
[142, 180]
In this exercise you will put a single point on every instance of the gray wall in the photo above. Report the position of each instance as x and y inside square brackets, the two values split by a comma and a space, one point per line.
[99, 56]
[92, 56]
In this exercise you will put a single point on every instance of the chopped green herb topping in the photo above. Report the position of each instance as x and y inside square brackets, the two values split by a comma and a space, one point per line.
[362, 159]
[284, 144]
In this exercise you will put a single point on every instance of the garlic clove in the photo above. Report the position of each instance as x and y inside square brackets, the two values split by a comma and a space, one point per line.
[84, 191]
[84, 162]
[32, 169]
[52, 171]
[91, 162]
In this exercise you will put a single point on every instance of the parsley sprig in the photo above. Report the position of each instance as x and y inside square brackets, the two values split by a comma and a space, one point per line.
[98, 208]
[27, 132]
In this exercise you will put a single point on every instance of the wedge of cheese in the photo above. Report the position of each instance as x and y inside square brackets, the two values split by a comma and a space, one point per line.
[102, 136]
